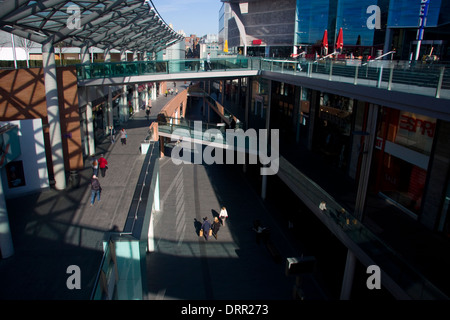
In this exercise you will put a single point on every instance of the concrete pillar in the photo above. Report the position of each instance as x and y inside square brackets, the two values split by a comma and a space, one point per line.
[109, 110]
[123, 108]
[147, 96]
[85, 59]
[248, 100]
[367, 151]
[224, 85]
[264, 177]
[264, 187]
[89, 122]
[204, 105]
[84, 54]
[349, 273]
[51, 96]
[6, 244]
[107, 54]
[136, 86]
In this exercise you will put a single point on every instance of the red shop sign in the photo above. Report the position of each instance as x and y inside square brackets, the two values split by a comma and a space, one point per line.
[411, 124]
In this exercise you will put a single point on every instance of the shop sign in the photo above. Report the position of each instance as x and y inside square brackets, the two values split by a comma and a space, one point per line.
[416, 132]
[411, 124]
[379, 143]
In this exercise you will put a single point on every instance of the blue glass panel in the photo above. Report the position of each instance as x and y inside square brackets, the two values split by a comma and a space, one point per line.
[405, 13]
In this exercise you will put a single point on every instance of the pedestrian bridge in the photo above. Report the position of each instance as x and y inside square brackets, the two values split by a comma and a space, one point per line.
[396, 84]
[403, 76]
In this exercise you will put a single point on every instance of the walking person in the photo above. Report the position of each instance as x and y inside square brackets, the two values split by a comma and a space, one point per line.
[206, 227]
[208, 62]
[103, 164]
[94, 164]
[123, 136]
[96, 189]
[223, 215]
[113, 133]
[215, 227]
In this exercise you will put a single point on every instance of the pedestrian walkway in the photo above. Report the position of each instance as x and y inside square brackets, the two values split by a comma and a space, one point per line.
[233, 267]
[52, 229]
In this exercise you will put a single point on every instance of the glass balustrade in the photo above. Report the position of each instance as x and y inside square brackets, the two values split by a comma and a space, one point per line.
[403, 76]
[399, 270]
[381, 74]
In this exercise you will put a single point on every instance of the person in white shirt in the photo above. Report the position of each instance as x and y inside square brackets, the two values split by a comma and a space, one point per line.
[223, 215]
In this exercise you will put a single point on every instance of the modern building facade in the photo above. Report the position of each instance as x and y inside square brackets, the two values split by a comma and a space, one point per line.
[406, 170]
[365, 147]
[282, 28]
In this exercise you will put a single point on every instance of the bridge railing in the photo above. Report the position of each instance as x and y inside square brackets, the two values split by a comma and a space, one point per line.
[138, 68]
[419, 78]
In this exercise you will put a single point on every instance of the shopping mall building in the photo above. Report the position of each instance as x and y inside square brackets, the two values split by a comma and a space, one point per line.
[324, 126]
[280, 28]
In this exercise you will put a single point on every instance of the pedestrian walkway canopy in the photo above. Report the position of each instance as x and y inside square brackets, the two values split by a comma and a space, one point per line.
[106, 24]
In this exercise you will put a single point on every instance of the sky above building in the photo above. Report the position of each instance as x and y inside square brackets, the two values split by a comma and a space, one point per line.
[199, 17]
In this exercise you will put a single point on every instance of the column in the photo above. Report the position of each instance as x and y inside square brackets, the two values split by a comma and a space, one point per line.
[147, 95]
[348, 276]
[136, 86]
[123, 108]
[264, 177]
[85, 59]
[248, 100]
[109, 109]
[367, 151]
[51, 96]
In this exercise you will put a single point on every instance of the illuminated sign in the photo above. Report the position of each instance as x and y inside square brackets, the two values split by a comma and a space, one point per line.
[257, 42]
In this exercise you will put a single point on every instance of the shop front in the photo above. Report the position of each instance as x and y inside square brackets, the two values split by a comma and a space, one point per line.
[334, 129]
[402, 152]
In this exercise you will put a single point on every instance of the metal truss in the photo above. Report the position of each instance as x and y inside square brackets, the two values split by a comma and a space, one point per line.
[106, 24]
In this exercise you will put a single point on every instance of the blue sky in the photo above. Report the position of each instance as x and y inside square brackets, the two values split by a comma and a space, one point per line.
[197, 17]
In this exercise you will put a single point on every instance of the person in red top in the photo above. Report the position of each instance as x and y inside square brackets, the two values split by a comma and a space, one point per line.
[103, 165]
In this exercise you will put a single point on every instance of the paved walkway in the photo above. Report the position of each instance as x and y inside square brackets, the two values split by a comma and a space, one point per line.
[232, 267]
[55, 229]
[52, 229]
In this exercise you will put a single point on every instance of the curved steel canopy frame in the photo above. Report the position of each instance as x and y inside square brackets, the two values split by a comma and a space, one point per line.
[106, 24]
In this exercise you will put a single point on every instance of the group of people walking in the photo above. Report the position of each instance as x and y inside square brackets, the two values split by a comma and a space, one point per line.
[212, 229]
[96, 189]
[101, 164]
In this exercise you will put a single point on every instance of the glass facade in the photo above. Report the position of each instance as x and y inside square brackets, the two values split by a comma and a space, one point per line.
[314, 17]
[405, 14]
[312, 20]
[403, 146]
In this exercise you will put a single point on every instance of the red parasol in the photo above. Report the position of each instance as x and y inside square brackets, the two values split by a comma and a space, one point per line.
[340, 40]
[325, 41]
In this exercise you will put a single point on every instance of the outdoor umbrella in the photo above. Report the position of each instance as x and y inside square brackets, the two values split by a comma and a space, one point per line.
[340, 40]
[325, 42]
